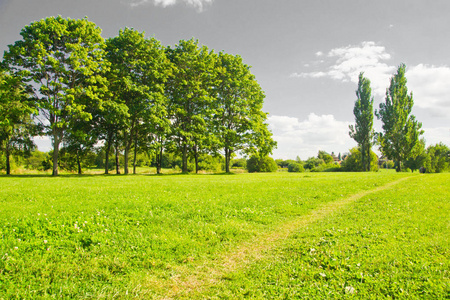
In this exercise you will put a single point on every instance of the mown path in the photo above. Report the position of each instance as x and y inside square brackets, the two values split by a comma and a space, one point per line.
[188, 282]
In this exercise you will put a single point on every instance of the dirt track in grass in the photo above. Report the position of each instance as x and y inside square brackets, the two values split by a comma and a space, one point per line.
[186, 282]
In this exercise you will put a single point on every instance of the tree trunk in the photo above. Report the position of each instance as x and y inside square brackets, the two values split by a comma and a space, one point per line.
[126, 154]
[79, 163]
[159, 160]
[227, 160]
[135, 154]
[108, 148]
[368, 159]
[196, 159]
[117, 159]
[8, 162]
[184, 159]
[56, 142]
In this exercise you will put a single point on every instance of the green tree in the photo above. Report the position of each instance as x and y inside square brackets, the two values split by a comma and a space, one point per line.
[16, 125]
[438, 159]
[401, 130]
[239, 120]
[363, 132]
[417, 158]
[326, 157]
[140, 69]
[190, 99]
[61, 60]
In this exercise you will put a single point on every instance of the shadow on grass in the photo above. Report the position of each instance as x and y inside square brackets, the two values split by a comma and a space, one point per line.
[113, 175]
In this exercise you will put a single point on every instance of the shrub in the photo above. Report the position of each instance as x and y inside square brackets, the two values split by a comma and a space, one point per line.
[295, 167]
[261, 164]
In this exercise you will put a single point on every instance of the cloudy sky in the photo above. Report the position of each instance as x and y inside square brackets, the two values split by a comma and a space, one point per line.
[305, 54]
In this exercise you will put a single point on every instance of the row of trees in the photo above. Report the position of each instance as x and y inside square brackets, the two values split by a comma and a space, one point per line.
[399, 140]
[129, 93]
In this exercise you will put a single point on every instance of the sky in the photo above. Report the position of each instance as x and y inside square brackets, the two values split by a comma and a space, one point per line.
[305, 54]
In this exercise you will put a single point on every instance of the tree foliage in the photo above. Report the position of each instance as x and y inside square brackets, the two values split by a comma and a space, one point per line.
[438, 159]
[16, 126]
[61, 61]
[362, 132]
[401, 130]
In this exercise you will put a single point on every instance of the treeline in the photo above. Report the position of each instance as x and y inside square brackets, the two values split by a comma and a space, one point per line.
[128, 95]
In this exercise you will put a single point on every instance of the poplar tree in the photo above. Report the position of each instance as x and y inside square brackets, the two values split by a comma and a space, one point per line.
[61, 62]
[401, 130]
[362, 132]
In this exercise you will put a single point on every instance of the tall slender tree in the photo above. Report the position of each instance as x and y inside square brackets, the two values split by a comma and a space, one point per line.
[62, 62]
[362, 132]
[401, 130]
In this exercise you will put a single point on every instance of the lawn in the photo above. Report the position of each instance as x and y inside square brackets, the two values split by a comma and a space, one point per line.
[149, 236]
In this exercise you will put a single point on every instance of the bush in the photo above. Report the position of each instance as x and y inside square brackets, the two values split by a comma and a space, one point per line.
[352, 163]
[261, 164]
[295, 167]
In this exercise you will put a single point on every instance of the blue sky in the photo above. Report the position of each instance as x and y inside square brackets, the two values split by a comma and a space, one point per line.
[306, 55]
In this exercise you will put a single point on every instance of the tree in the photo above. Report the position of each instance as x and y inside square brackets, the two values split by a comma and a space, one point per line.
[401, 130]
[239, 120]
[190, 98]
[438, 159]
[417, 158]
[363, 132]
[327, 158]
[61, 60]
[16, 125]
[140, 69]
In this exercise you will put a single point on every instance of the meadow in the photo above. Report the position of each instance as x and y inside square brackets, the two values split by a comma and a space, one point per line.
[257, 236]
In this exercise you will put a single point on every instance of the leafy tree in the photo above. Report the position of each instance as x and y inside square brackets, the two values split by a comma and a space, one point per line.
[258, 163]
[418, 157]
[239, 120]
[353, 162]
[313, 162]
[438, 159]
[140, 69]
[363, 132]
[401, 130]
[61, 60]
[190, 98]
[327, 158]
[16, 125]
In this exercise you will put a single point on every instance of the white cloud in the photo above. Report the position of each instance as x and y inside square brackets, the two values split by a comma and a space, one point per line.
[431, 88]
[348, 62]
[305, 138]
[436, 135]
[198, 4]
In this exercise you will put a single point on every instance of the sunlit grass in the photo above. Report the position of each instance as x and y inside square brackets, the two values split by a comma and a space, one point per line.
[94, 236]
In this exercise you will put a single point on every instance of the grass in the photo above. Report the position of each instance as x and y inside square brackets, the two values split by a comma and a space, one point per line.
[139, 236]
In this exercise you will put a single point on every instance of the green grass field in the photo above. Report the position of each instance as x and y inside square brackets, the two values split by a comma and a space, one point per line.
[258, 236]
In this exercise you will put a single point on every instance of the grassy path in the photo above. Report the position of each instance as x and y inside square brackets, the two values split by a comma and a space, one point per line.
[186, 282]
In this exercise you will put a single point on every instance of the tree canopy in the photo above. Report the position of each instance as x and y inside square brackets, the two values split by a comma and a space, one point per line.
[132, 94]
[401, 130]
